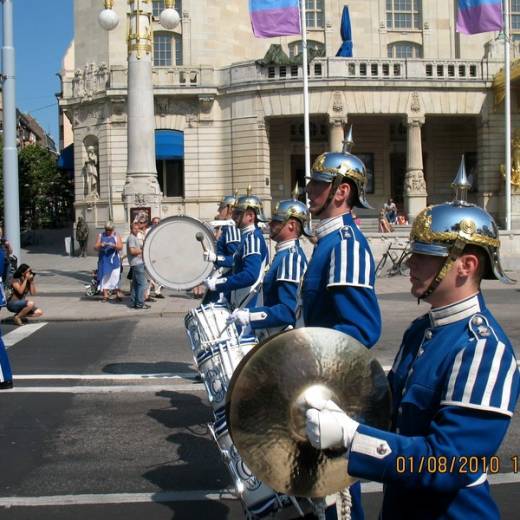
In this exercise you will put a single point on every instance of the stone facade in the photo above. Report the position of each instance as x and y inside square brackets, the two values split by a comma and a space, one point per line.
[242, 122]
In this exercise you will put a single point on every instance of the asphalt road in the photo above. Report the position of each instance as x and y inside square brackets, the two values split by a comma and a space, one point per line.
[95, 429]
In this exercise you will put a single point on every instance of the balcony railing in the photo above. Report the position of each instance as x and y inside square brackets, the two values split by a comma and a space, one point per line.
[376, 69]
[87, 82]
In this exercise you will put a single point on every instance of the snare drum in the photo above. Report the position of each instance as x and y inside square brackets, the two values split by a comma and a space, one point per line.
[206, 326]
[259, 500]
[213, 375]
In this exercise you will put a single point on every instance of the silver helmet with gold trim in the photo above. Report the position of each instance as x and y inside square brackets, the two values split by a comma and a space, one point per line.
[334, 167]
[229, 200]
[445, 229]
[250, 201]
[293, 208]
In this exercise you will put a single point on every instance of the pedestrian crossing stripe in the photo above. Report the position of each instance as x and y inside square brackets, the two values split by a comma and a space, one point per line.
[17, 335]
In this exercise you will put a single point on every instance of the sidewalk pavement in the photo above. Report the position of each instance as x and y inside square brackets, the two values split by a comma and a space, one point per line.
[61, 294]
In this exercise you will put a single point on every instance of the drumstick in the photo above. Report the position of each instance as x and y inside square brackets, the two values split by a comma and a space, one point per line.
[200, 237]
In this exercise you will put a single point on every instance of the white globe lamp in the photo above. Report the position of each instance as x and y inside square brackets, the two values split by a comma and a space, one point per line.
[169, 18]
[108, 19]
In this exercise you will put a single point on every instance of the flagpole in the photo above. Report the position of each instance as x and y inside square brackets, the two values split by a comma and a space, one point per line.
[507, 110]
[307, 146]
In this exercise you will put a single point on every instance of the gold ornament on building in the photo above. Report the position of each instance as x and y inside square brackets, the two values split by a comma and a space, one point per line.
[515, 160]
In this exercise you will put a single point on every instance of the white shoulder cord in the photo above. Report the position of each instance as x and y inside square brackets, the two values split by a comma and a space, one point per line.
[346, 504]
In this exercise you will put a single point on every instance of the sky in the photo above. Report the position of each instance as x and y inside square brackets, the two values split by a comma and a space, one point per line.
[43, 30]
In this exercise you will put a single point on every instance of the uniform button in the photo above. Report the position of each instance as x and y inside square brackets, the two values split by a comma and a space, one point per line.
[382, 449]
[397, 430]
[428, 334]
[400, 410]
[421, 352]
[477, 320]
[404, 391]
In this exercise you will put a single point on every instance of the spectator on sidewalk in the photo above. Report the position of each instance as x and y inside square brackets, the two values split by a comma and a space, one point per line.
[390, 210]
[401, 220]
[23, 284]
[384, 225]
[6, 250]
[134, 251]
[82, 236]
[155, 287]
[108, 245]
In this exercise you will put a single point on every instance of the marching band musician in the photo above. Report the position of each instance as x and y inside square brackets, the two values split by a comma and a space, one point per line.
[454, 382]
[338, 287]
[229, 237]
[282, 282]
[251, 256]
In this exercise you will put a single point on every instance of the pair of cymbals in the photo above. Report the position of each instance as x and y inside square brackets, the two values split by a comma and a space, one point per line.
[266, 406]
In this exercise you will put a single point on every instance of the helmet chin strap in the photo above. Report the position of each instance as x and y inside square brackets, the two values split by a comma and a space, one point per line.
[333, 188]
[454, 253]
[240, 219]
[279, 231]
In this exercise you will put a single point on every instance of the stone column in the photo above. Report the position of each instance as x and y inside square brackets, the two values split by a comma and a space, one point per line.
[336, 134]
[141, 188]
[414, 184]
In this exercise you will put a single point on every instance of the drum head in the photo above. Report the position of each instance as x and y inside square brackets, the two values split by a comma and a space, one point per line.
[172, 254]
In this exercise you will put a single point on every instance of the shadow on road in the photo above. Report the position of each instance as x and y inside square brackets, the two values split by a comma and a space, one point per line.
[160, 367]
[196, 462]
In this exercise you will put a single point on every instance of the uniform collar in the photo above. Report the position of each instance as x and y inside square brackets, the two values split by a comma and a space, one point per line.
[286, 244]
[248, 229]
[455, 311]
[331, 224]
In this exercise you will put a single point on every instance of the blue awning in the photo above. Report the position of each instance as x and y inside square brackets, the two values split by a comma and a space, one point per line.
[66, 158]
[169, 144]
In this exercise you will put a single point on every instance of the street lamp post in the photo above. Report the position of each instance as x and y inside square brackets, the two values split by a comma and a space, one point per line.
[141, 188]
[10, 159]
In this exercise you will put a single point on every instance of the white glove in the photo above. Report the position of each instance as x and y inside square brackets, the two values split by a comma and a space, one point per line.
[327, 425]
[211, 283]
[209, 256]
[241, 316]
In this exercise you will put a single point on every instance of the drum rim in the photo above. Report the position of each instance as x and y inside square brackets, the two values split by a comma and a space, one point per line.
[186, 286]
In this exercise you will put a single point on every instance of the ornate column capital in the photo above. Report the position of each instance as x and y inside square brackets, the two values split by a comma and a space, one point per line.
[337, 121]
[415, 121]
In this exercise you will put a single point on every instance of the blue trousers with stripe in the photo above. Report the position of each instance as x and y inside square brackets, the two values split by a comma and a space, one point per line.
[5, 367]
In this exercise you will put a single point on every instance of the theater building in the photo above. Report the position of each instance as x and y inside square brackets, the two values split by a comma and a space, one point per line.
[229, 106]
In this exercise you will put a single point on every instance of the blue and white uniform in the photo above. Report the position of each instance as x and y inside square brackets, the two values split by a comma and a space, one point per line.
[227, 245]
[6, 374]
[280, 288]
[338, 293]
[455, 383]
[249, 264]
[338, 287]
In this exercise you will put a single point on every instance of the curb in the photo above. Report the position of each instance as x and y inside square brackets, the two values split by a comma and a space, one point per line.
[44, 319]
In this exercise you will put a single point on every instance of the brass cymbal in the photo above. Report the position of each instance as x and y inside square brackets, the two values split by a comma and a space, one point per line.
[266, 417]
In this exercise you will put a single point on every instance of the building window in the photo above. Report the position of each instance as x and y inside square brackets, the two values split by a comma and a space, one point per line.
[170, 174]
[296, 48]
[158, 6]
[403, 14]
[314, 14]
[515, 16]
[404, 50]
[165, 45]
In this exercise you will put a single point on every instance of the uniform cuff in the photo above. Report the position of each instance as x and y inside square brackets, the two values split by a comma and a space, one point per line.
[370, 453]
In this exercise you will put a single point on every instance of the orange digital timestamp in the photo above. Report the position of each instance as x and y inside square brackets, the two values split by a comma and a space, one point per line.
[453, 464]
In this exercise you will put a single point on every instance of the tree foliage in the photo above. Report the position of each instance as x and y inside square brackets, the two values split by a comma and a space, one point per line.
[46, 193]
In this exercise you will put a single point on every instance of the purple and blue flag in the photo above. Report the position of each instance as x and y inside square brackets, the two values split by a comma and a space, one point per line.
[478, 16]
[275, 17]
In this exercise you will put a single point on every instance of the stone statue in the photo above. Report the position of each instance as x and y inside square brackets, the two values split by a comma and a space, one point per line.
[91, 172]
[515, 161]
